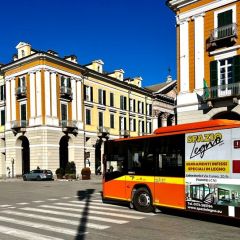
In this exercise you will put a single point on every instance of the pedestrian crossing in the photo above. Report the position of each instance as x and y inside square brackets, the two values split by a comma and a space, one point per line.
[64, 218]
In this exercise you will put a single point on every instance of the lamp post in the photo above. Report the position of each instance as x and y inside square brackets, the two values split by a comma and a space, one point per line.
[12, 161]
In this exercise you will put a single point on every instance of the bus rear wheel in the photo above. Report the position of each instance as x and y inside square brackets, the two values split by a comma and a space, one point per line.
[142, 200]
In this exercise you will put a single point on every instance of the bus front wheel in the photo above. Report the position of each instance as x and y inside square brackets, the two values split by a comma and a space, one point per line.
[142, 200]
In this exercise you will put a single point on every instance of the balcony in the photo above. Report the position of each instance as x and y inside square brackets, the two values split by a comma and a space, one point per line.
[222, 37]
[69, 126]
[124, 133]
[103, 132]
[66, 92]
[21, 92]
[19, 126]
[223, 91]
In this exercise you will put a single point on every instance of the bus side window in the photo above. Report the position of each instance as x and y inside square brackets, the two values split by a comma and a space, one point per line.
[160, 161]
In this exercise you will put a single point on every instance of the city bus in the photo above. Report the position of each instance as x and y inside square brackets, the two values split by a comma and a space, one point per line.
[194, 167]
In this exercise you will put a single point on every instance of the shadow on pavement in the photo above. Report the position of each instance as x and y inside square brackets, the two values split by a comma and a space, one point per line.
[86, 196]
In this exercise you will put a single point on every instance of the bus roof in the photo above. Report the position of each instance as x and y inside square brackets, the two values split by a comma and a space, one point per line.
[199, 126]
[190, 127]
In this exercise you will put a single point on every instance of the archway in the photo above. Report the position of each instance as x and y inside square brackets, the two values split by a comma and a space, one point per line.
[227, 115]
[63, 152]
[25, 154]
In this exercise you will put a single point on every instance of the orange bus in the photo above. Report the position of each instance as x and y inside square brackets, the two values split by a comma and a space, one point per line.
[193, 166]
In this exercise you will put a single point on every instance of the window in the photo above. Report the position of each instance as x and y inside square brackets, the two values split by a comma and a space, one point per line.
[111, 120]
[2, 93]
[224, 18]
[140, 107]
[224, 72]
[123, 103]
[64, 113]
[111, 100]
[132, 123]
[100, 119]
[23, 53]
[101, 96]
[2, 117]
[88, 93]
[140, 126]
[88, 116]
[149, 109]
[122, 123]
[22, 82]
[131, 105]
[23, 116]
[65, 81]
[149, 127]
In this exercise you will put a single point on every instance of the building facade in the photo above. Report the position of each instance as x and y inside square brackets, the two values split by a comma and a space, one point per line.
[208, 59]
[54, 111]
[164, 103]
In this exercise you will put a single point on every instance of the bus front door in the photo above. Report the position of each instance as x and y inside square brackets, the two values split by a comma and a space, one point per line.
[114, 185]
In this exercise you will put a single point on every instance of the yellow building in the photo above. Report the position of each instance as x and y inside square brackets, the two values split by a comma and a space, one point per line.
[57, 111]
[208, 59]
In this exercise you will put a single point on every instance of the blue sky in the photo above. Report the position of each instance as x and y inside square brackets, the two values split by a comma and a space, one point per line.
[135, 35]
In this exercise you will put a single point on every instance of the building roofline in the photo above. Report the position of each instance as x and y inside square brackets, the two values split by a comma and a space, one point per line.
[83, 69]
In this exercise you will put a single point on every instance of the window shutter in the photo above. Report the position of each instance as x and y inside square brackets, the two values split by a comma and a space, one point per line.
[236, 69]
[134, 105]
[99, 96]
[91, 92]
[224, 18]
[104, 97]
[85, 93]
[213, 73]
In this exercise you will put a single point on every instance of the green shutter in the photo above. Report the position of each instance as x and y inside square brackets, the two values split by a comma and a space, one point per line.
[213, 74]
[225, 18]
[236, 69]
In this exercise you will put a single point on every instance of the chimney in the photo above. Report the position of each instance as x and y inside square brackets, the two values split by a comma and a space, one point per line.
[118, 74]
[71, 58]
[24, 49]
[15, 57]
[52, 52]
[137, 81]
[96, 65]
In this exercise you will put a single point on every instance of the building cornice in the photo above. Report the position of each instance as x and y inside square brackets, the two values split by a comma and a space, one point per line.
[176, 4]
[81, 69]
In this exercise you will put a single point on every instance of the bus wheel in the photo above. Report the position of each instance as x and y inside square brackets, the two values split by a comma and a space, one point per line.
[142, 200]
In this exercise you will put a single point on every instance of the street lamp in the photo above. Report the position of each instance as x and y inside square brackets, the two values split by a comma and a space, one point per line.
[12, 161]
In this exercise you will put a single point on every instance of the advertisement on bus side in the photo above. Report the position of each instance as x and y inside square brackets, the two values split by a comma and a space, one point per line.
[212, 184]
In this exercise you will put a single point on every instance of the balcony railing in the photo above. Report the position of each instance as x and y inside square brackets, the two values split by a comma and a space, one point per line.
[223, 35]
[66, 92]
[103, 131]
[21, 92]
[124, 133]
[19, 124]
[68, 124]
[229, 90]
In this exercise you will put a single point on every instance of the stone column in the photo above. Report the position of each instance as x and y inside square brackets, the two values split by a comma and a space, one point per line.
[199, 50]
[32, 99]
[79, 103]
[8, 103]
[13, 100]
[54, 98]
[47, 94]
[184, 56]
[164, 117]
[155, 120]
[39, 97]
[74, 99]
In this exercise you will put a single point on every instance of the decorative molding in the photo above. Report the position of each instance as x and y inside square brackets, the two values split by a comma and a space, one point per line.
[205, 8]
